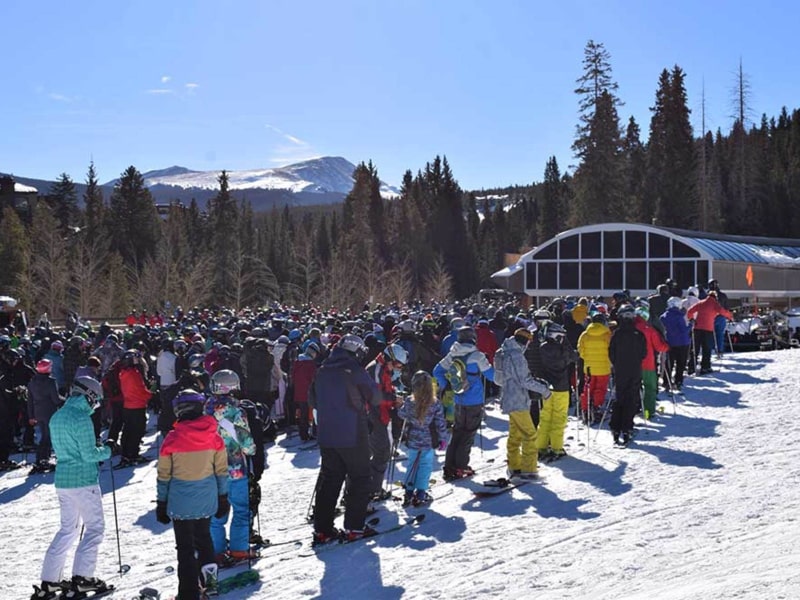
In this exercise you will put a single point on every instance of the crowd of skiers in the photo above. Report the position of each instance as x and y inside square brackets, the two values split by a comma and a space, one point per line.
[223, 384]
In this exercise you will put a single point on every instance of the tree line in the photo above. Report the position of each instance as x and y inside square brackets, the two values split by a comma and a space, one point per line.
[105, 256]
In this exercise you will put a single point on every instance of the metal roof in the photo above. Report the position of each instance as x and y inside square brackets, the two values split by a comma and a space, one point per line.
[748, 252]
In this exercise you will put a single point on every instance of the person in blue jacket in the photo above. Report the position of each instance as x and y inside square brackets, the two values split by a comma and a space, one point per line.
[468, 398]
[679, 338]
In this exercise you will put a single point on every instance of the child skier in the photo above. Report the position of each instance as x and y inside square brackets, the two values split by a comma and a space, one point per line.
[593, 349]
[420, 411]
[192, 486]
[655, 343]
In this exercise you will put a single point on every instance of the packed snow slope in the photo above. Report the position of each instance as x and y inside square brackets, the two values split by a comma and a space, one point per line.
[704, 504]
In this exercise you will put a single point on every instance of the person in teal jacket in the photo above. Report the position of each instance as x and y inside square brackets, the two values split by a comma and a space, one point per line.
[79, 496]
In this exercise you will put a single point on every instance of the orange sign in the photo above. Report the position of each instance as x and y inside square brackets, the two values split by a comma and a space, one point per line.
[749, 275]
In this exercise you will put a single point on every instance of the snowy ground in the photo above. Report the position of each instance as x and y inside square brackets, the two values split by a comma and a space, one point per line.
[705, 504]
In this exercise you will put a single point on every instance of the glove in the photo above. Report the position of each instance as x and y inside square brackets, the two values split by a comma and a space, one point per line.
[223, 507]
[442, 445]
[112, 444]
[161, 512]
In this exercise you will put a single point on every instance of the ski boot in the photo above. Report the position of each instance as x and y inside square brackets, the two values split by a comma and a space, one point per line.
[209, 577]
[47, 591]
[351, 535]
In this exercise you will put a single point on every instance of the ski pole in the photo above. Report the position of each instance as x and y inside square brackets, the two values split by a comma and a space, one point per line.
[480, 428]
[116, 518]
[309, 512]
[395, 445]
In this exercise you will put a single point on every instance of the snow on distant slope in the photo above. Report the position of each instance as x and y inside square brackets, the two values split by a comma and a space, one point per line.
[318, 175]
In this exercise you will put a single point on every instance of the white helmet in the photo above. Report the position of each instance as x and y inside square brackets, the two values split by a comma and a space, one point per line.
[90, 388]
[396, 353]
[224, 382]
[674, 302]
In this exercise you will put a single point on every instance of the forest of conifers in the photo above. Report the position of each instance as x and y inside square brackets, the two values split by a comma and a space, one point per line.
[104, 256]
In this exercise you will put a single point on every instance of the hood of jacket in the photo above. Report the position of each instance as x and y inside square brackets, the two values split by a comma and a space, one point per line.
[197, 431]
[597, 329]
[462, 348]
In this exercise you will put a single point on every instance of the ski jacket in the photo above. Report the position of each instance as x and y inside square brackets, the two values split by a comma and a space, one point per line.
[340, 393]
[627, 350]
[73, 357]
[574, 330]
[593, 349]
[134, 392]
[192, 469]
[655, 343]
[419, 430]
[676, 328]
[658, 304]
[579, 313]
[234, 430]
[57, 368]
[487, 342]
[303, 371]
[77, 452]
[477, 365]
[165, 368]
[447, 342]
[512, 374]
[556, 360]
[43, 398]
[704, 313]
[382, 377]
[257, 363]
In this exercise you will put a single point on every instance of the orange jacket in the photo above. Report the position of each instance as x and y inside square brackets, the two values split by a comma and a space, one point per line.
[134, 392]
[655, 343]
[704, 313]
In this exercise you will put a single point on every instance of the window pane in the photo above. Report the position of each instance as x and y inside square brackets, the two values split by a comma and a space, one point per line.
[590, 276]
[681, 250]
[635, 244]
[612, 244]
[702, 272]
[548, 251]
[659, 245]
[569, 247]
[569, 276]
[636, 275]
[590, 245]
[547, 276]
[612, 278]
[659, 272]
[530, 275]
[683, 273]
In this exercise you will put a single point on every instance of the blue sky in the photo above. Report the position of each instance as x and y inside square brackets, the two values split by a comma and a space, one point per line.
[247, 84]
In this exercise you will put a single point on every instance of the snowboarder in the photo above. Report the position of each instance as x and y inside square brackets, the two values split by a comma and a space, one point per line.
[557, 359]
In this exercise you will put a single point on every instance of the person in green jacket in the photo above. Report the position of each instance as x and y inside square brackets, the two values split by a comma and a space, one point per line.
[79, 495]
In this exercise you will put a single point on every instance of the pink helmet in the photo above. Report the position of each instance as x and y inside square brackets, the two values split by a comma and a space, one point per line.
[44, 366]
[57, 346]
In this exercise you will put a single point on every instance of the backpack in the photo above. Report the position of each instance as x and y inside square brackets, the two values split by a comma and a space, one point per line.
[456, 375]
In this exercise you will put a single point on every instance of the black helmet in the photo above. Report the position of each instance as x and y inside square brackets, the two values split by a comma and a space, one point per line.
[353, 344]
[188, 404]
[554, 331]
[626, 311]
[467, 335]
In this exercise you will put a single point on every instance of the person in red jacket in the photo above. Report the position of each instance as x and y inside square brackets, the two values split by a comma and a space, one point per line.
[303, 371]
[487, 343]
[132, 319]
[703, 313]
[135, 397]
[655, 343]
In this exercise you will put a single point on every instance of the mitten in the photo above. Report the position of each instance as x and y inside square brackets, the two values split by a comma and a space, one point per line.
[222, 507]
[161, 512]
[442, 445]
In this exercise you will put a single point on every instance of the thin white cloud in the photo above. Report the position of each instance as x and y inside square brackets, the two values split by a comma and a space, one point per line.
[295, 151]
[59, 97]
[166, 79]
[191, 88]
[159, 91]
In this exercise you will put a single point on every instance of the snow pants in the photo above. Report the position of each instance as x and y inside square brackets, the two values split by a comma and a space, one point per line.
[195, 549]
[521, 444]
[380, 448]
[706, 341]
[134, 425]
[467, 421]
[678, 355]
[78, 505]
[650, 382]
[338, 463]
[420, 463]
[596, 390]
[44, 448]
[552, 421]
[628, 399]
[239, 498]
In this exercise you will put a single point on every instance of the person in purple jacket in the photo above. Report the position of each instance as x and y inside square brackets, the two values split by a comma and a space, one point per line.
[678, 337]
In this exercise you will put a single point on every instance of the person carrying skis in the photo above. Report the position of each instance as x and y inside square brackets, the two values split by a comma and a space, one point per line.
[233, 428]
[463, 368]
[593, 349]
[192, 486]
[79, 495]
[341, 394]
[515, 380]
[557, 358]
[421, 411]
[655, 344]
[627, 350]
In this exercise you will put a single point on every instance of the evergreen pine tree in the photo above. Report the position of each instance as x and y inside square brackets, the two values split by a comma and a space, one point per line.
[551, 209]
[223, 220]
[132, 220]
[63, 199]
[93, 203]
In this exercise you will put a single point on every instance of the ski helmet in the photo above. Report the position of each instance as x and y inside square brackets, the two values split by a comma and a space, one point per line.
[555, 331]
[57, 346]
[674, 302]
[467, 335]
[312, 349]
[188, 404]
[626, 311]
[352, 344]
[224, 382]
[643, 311]
[396, 353]
[44, 366]
[600, 317]
[88, 387]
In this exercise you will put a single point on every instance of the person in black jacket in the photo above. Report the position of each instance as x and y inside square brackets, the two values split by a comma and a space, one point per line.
[43, 402]
[627, 350]
[558, 358]
[341, 394]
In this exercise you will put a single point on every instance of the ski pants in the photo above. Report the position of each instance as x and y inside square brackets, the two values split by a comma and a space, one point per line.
[195, 549]
[134, 425]
[650, 382]
[45, 447]
[552, 421]
[521, 445]
[78, 505]
[338, 463]
[627, 402]
[706, 340]
[676, 364]
[115, 408]
[380, 449]
[720, 325]
[239, 498]
[466, 424]
[596, 390]
[420, 461]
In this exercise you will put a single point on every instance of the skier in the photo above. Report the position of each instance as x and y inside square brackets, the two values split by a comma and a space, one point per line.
[655, 344]
[463, 368]
[235, 432]
[135, 397]
[593, 349]
[43, 402]
[303, 371]
[192, 486]
[515, 380]
[705, 312]
[341, 393]
[627, 350]
[420, 412]
[557, 357]
[79, 495]
[679, 340]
